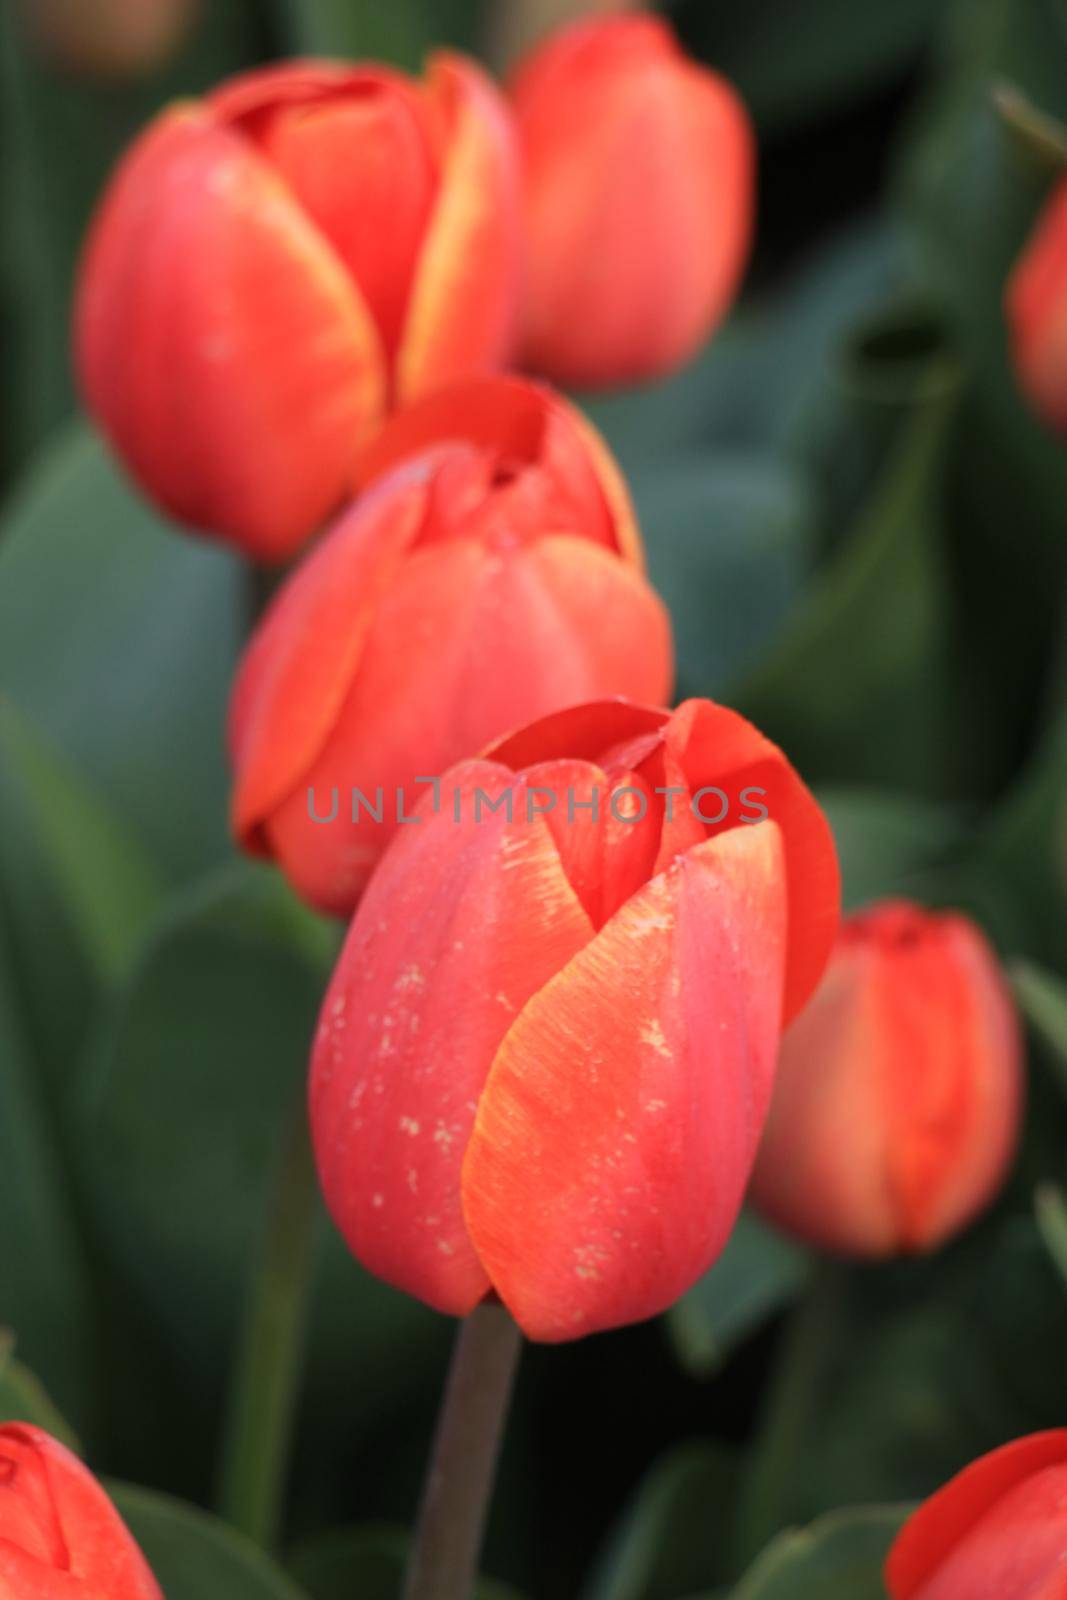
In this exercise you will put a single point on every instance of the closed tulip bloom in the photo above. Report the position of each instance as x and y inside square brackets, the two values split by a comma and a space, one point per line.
[639, 198]
[547, 1050]
[897, 1105]
[491, 572]
[997, 1531]
[276, 266]
[1036, 303]
[60, 1536]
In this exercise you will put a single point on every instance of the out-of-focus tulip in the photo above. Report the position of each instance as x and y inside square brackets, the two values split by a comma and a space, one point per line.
[997, 1531]
[639, 183]
[1036, 302]
[490, 574]
[547, 1050]
[274, 267]
[60, 1536]
[109, 39]
[897, 1104]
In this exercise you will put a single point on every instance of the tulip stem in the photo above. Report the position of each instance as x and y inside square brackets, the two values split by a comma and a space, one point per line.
[262, 1407]
[459, 1481]
[796, 1383]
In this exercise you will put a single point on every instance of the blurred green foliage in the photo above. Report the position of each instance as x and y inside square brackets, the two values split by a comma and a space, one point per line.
[859, 527]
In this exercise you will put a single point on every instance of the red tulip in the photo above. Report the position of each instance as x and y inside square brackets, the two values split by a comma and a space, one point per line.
[639, 200]
[545, 1056]
[60, 1536]
[998, 1531]
[897, 1104]
[1036, 304]
[273, 267]
[492, 573]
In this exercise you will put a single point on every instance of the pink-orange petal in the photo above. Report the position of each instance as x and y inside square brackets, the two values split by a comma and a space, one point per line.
[464, 307]
[620, 1119]
[716, 747]
[298, 669]
[585, 731]
[462, 922]
[220, 342]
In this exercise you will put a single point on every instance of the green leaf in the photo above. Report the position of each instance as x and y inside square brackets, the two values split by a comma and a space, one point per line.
[24, 1398]
[757, 1274]
[1041, 137]
[1050, 1204]
[196, 1557]
[198, 1062]
[118, 638]
[840, 1557]
[1043, 999]
[860, 687]
[671, 1538]
[47, 1300]
[105, 881]
[367, 1563]
[401, 33]
[886, 842]
[728, 540]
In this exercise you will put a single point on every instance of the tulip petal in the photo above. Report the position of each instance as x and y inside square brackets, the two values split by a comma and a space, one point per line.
[98, 1554]
[585, 732]
[463, 314]
[638, 199]
[362, 165]
[620, 1119]
[522, 422]
[524, 636]
[928, 1538]
[299, 667]
[715, 746]
[462, 922]
[220, 341]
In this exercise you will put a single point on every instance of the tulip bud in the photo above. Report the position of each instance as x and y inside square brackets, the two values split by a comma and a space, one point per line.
[109, 39]
[60, 1536]
[997, 1531]
[1036, 304]
[638, 172]
[273, 267]
[546, 1053]
[898, 1100]
[490, 573]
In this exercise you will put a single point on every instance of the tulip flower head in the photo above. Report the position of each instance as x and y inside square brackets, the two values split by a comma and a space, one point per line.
[897, 1105]
[547, 1050]
[276, 266]
[60, 1536]
[1036, 303]
[997, 1531]
[491, 573]
[639, 199]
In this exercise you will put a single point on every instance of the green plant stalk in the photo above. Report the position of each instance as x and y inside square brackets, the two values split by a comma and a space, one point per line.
[459, 1480]
[262, 1408]
[796, 1384]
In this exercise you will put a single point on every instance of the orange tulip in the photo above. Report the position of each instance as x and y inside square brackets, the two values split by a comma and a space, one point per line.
[547, 1050]
[60, 1536]
[998, 1531]
[639, 199]
[1036, 303]
[274, 267]
[491, 572]
[898, 1100]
